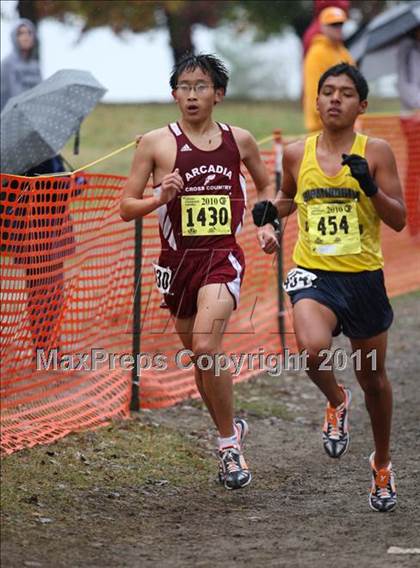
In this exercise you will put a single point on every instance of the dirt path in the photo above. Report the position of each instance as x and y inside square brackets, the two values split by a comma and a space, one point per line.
[302, 509]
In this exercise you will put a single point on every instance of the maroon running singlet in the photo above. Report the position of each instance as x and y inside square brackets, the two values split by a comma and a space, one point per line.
[198, 227]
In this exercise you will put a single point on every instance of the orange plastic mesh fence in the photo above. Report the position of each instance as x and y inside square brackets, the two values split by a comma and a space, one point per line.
[403, 134]
[252, 329]
[67, 284]
[67, 265]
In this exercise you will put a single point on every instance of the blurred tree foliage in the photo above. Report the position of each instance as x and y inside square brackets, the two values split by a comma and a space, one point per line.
[142, 15]
[179, 16]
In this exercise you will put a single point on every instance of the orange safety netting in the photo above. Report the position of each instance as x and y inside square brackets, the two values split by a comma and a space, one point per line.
[67, 265]
[253, 328]
[403, 134]
[68, 284]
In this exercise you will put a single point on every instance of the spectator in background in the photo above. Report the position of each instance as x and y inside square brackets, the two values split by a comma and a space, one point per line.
[327, 49]
[20, 70]
[315, 27]
[409, 90]
[409, 71]
[51, 237]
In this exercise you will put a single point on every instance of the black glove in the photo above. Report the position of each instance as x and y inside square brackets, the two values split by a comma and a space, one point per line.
[265, 212]
[359, 169]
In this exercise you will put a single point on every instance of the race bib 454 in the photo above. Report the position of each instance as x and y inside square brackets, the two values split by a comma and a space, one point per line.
[334, 229]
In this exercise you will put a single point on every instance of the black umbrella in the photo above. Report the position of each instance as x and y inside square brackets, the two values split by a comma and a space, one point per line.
[392, 24]
[375, 49]
[386, 29]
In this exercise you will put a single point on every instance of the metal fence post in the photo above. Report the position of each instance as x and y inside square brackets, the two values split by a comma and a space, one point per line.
[135, 376]
[278, 157]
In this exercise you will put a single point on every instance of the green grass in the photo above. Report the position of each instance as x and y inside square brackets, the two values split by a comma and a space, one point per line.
[112, 459]
[406, 297]
[255, 398]
[115, 460]
[109, 127]
[261, 397]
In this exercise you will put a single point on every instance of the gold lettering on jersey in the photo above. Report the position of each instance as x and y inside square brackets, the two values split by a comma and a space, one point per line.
[334, 229]
[205, 215]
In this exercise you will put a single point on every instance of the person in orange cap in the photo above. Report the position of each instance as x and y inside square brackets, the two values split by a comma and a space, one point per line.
[327, 49]
[314, 27]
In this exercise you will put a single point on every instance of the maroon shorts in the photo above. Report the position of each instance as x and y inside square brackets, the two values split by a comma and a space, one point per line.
[192, 269]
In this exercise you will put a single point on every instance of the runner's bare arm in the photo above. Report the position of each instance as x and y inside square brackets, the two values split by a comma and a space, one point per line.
[251, 157]
[388, 201]
[133, 205]
[291, 162]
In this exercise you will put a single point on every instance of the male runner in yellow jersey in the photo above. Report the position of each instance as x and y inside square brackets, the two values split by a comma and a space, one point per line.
[343, 185]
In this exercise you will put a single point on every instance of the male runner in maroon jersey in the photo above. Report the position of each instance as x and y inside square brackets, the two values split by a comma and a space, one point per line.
[200, 198]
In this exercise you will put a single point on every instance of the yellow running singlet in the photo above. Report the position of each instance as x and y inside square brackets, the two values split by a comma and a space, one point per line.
[339, 228]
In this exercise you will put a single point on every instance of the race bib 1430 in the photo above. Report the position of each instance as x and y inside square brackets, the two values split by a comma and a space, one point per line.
[205, 215]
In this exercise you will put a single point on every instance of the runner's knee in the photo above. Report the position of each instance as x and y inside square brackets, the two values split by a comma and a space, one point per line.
[374, 383]
[314, 347]
[204, 346]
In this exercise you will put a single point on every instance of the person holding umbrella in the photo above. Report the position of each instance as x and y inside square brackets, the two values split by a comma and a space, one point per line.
[408, 57]
[409, 70]
[38, 212]
[20, 71]
[390, 44]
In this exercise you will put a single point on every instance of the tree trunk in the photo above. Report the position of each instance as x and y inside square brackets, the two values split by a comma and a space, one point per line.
[180, 33]
[27, 9]
[369, 9]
